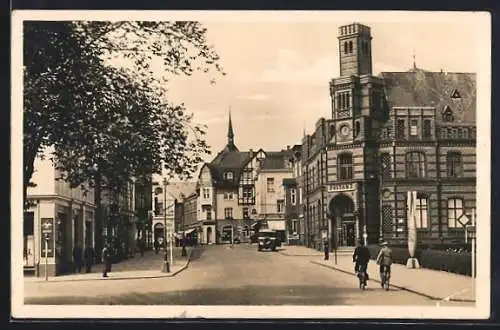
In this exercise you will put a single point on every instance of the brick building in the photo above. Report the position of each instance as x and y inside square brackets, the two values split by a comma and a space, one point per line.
[387, 135]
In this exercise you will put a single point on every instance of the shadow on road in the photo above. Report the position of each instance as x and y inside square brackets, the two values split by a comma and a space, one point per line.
[246, 295]
[196, 254]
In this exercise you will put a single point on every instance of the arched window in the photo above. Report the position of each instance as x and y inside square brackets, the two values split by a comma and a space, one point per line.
[344, 166]
[350, 46]
[357, 128]
[455, 210]
[447, 114]
[385, 165]
[454, 167]
[345, 47]
[415, 164]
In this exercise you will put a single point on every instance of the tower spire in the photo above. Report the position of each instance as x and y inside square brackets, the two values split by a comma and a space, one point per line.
[230, 133]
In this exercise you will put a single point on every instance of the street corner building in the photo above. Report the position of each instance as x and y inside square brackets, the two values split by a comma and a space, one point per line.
[387, 135]
[236, 191]
[60, 219]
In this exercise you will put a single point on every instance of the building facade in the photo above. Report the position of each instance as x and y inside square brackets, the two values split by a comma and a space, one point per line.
[390, 134]
[227, 192]
[270, 192]
[58, 219]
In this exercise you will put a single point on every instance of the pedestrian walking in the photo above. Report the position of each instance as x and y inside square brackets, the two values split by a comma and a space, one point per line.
[106, 260]
[156, 246]
[326, 247]
[77, 258]
[88, 256]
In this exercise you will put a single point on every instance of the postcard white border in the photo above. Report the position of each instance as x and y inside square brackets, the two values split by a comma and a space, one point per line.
[478, 20]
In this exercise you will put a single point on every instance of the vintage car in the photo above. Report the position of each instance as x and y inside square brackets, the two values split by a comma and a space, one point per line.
[267, 240]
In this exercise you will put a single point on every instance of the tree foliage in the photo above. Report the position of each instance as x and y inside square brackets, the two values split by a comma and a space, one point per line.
[115, 120]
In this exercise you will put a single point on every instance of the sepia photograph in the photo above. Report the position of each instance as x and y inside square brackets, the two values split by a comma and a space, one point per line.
[246, 164]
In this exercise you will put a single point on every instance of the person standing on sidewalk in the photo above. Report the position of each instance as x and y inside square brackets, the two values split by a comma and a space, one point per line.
[156, 246]
[326, 247]
[88, 256]
[77, 258]
[361, 257]
[106, 260]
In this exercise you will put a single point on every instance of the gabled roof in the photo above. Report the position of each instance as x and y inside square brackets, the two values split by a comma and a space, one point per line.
[433, 89]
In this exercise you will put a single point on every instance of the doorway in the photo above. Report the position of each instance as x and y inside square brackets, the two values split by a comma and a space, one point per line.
[343, 221]
[209, 235]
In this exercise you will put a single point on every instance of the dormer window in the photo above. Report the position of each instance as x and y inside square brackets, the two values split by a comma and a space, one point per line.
[228, 175]
[455, 94]
[447, 114]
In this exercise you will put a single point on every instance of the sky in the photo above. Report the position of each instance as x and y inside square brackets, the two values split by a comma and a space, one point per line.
[277, 74]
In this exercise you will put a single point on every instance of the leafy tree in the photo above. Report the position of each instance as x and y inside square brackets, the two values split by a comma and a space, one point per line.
[74, 100]
[106, 123]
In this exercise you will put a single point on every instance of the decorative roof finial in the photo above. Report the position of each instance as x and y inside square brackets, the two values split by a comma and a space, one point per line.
[414, 63]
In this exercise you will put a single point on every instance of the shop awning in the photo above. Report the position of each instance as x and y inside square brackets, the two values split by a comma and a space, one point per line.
[276, 225]
[189, 231]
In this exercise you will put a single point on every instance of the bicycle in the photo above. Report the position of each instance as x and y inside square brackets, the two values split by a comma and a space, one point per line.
[363, 277]
[385, 276]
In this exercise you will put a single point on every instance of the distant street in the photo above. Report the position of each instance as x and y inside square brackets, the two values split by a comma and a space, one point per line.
[221, 275]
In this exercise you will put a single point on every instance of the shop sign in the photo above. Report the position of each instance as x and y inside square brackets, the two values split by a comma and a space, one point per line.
[47, 237]
[341, 187]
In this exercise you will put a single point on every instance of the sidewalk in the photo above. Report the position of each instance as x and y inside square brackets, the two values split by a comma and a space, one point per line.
[138, 267]
[433, 284]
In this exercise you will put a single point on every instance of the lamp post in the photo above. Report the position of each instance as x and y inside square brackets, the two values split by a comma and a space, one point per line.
[166, 265]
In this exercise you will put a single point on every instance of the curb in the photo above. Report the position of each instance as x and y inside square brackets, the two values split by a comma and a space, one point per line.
[124, 278]
[396, 286]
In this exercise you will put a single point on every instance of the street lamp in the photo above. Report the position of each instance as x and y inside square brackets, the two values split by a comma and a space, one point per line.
[166, 265]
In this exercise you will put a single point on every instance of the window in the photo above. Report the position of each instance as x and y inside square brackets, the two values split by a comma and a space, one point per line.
[246, 215]
[343, 100]
[300, 195]
[247, 192]
[350, 46]
[357, 128]
[344, 167]
[270, 184]
[318, 172]
[413, 127]
[280, 205]
[426, 129]
[387, 218]
[455, 210]
[447, 114]
[228, 212]
[228, 175]
[421, 216]
[400, 129]
[209, 214]
[226, 195]
[295, 226]
[206, 193]
[293, 196]
[455, 94]
[454, 164]
[385, 163]
[415, 164]
[345, 47]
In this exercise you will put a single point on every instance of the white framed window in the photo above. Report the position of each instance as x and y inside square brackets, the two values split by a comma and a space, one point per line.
[455, 211]
[293, 196]
[230, 196]
[206, 193]
[228, 175]
[228, 212]
[270, 184]
[421, 216]
[295, 226]
[413, 127]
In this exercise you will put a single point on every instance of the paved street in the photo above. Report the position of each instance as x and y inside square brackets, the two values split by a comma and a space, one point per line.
[220, 275]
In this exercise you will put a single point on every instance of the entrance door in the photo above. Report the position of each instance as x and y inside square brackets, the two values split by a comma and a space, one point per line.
[349, 234]
[209, 235]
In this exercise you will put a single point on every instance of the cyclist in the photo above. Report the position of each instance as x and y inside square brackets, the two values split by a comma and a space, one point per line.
[384, 259]
[361, 257]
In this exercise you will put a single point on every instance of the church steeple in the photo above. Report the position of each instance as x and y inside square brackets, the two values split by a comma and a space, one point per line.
[230, 133]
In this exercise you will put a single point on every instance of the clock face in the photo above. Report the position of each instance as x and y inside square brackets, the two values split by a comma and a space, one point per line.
[344, 130]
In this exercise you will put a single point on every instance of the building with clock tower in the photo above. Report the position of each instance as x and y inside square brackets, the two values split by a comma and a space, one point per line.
[387, 135]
